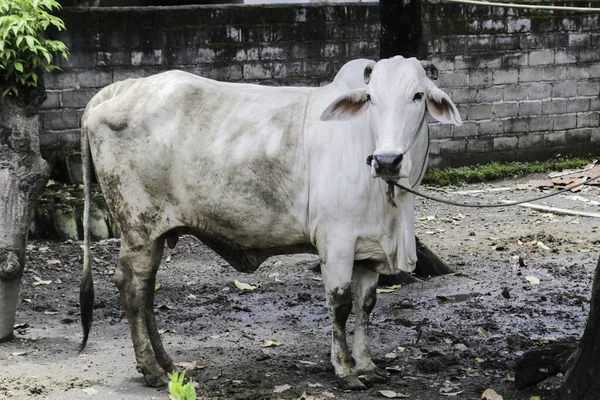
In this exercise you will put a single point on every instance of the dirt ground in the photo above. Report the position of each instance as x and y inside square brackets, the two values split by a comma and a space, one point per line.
[450, 334]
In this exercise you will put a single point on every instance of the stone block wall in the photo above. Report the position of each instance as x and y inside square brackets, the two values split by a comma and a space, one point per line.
[271, 44]
[527, 82]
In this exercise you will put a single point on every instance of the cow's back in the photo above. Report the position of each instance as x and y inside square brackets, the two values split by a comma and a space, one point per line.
[225, 160]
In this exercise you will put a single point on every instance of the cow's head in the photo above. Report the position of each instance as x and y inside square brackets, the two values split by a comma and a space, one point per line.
[397, 95]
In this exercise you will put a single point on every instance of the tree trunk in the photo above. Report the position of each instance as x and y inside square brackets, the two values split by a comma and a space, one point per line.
[401, 34]
[23, 172]
[579, 361]
[401, 30]
[582, 379]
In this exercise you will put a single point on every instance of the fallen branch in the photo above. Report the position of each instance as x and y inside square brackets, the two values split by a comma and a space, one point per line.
[557, 210]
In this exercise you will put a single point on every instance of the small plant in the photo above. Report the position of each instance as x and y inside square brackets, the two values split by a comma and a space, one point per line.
[24, 51]
[178, 390]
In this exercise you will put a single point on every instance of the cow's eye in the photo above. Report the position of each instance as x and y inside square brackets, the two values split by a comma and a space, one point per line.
[418, 96]
[368, 97]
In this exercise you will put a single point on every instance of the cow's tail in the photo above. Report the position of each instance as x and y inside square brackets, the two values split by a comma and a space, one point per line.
[86, 288]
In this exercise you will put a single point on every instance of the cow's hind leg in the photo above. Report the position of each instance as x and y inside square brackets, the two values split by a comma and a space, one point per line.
[133, 278]
[159, 351]
[337, 277]
[365, 297]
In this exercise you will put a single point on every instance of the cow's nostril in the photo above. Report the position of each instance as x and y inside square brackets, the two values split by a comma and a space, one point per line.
[397, 160]
[387, 164]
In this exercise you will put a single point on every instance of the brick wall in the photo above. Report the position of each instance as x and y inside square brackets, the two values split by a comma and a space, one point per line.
[527, 83]
[270, 44]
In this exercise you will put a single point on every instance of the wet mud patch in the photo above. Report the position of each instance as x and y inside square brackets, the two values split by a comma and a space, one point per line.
[461, 332]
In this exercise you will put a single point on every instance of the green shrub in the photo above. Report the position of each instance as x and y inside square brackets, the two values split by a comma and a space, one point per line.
[178, 390]
[24, 51]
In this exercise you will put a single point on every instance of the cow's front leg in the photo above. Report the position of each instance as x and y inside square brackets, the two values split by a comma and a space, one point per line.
[337, 277]
[133, 277]
[365, 298]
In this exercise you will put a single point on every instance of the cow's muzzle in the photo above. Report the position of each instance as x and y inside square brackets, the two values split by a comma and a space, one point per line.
[386, 165]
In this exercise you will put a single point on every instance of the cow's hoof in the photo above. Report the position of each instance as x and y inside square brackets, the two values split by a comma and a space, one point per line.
[351, 382]
[172, 368]
[371, 377]
[156, 381]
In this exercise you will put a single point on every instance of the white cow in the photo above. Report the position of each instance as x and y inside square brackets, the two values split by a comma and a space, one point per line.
[256, 171]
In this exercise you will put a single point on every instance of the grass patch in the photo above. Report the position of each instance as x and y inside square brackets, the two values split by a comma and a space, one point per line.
[496, 170]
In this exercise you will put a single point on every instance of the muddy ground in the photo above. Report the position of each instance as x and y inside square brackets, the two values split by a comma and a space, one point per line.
[457, 333]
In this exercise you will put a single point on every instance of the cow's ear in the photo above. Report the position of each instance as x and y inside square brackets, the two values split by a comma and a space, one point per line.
[346, 107]
[441, 107]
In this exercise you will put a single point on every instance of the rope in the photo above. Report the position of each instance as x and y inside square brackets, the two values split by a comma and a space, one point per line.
[453, 203]
[530, 6]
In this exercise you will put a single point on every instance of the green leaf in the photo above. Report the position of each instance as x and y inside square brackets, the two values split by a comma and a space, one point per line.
[7, 91]
[30, 41]
[18, 66]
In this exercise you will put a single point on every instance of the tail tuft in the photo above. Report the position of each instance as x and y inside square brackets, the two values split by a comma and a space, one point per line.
[86, 301]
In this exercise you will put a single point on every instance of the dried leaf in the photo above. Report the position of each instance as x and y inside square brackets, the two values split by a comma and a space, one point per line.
[21, 326]
[244, 286]
[390, 394]
[484, 332]
[66, 321]
[53, 262]
[541, 184]
[281, 388]
[535, 398]
[541, 245]
[191, 366]
[158, 287]
[460, 347]
[391, 356]
[443, 392]
[90, 391]
[506, 293]
[400, 349]
[271, 343]
[314, 385]
[39, 281]
[532, 279]
[389, 289]
[490, 394]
